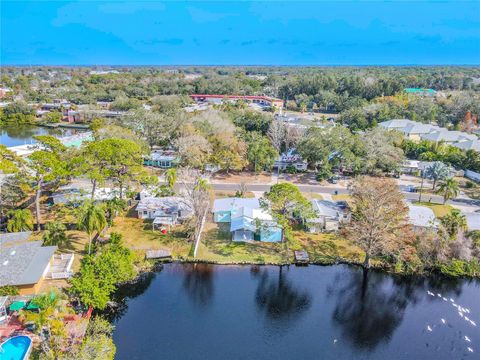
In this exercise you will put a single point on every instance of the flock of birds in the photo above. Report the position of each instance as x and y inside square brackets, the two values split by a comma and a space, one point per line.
[462, 312]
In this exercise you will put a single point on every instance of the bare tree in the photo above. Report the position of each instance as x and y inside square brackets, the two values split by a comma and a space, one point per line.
[293, 134]
[196, 191]
[378, 217]
[276, 133]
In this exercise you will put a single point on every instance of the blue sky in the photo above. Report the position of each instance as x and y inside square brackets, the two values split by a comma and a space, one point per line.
[270, 33]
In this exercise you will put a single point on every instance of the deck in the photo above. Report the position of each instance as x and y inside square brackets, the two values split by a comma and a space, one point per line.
[301, 257]
[158, 254]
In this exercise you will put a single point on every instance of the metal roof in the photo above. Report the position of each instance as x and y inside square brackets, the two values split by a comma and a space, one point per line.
[228, 204]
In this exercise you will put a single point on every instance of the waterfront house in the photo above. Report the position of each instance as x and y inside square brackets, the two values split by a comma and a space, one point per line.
[26, 264]
[246, 220]
[330, 215]
[170, 210]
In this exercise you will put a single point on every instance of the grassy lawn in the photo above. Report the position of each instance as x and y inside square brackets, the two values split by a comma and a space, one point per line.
[230, 193]
[217, 246]
[139, 236]
[326, 247]
[313, 196]
[438, 209]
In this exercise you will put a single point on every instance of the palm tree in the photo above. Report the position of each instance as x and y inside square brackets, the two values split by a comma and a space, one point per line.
[91, 218]
[171, 177]
[454, 222]
[112, 207]
[19, 220]
[449, 189]
[55, 234]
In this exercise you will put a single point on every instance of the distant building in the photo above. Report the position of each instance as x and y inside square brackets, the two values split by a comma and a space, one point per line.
[417, 131]
[290, 159]
[4, 91]
[420, 91]
[260, 100]
[26, 264]
[247, 220]
[163, 159]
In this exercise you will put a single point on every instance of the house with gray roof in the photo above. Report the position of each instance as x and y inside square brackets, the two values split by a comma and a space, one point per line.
[26, 264]
[169, 210]
[468, 145]
[330, 215]
[447, 136]
[396, 124]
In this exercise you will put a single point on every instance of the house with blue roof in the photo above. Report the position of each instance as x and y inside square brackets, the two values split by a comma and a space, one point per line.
[247, 220]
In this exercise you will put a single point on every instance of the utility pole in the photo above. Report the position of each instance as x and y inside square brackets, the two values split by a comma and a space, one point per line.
[421, 187]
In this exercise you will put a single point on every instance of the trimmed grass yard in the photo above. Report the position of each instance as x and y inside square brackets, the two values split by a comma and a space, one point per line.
[438, 209]
[217, 246]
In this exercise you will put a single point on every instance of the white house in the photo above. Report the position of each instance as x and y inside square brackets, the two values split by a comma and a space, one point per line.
[171, 209]
[290, 158]
[330, 216]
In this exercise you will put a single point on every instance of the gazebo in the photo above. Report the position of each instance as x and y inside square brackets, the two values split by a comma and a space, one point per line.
[161, 222]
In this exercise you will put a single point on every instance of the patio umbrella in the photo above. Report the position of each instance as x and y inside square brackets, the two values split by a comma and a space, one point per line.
[16, 305]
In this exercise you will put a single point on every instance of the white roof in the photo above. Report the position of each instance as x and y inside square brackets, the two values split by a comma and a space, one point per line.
[473, 221]
[421, 216]
[228, 204]
[448, 136]
[396, 124]
[419, 128]
[468, 145]
[327, 208]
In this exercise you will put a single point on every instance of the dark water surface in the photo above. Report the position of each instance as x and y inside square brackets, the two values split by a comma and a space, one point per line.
[23, 134]
[189, 311]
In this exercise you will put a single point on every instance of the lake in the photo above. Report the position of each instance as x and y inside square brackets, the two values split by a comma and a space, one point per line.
[23, 134]
[199, 311]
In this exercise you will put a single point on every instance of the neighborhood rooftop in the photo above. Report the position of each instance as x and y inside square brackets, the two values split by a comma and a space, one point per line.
[25, 263]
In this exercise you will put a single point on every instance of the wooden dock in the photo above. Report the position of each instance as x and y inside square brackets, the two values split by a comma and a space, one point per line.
[158, 254]
[301, 257]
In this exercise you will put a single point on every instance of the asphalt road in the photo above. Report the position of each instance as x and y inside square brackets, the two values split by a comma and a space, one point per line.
[331, 190]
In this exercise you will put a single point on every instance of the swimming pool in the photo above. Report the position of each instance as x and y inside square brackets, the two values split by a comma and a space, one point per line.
[16, 348]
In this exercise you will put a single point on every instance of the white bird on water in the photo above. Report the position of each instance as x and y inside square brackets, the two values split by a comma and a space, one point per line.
[439, 295]
[466, 318]
[443, 321]
[470, 349]
[335, 341]
[467, 338]
[451, 300]
[429, 328]
[473, 323]
[460, 313]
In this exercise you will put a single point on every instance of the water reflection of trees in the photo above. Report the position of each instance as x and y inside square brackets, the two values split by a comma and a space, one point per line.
[371, 305]
[277, 297]
[198, 282]
[124, 293]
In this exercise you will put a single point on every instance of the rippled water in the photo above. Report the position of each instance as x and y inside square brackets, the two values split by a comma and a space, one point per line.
[23, 134]
[189, 311]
